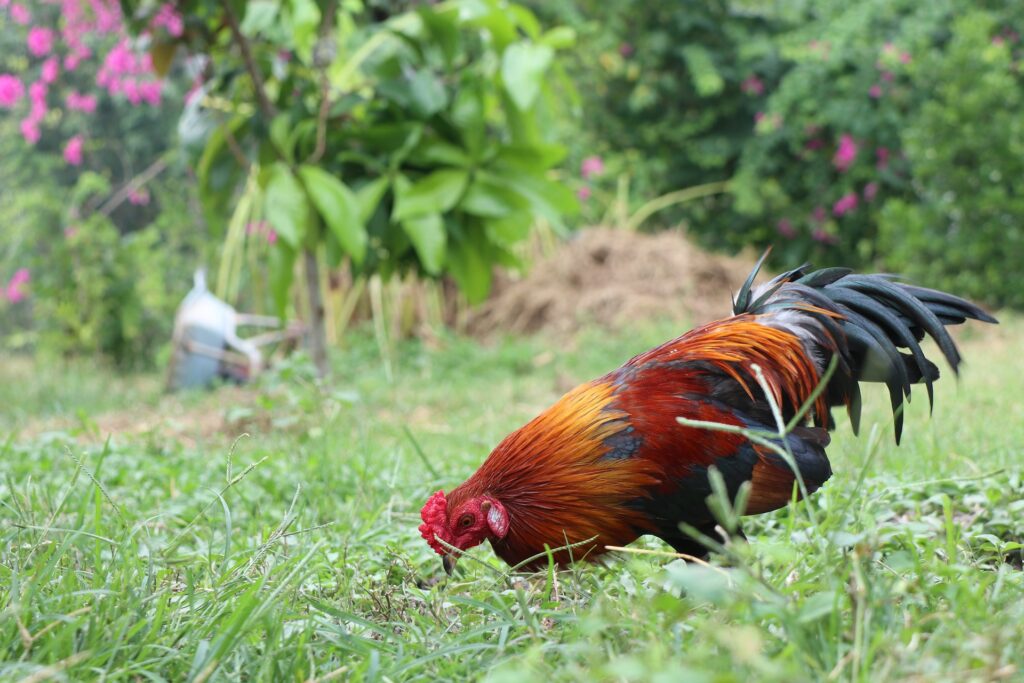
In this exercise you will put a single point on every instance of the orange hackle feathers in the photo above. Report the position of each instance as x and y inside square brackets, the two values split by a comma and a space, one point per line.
[559, 456]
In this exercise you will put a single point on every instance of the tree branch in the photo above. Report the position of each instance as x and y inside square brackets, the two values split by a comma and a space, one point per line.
[266, 106]
[155, 169]
[325, 84]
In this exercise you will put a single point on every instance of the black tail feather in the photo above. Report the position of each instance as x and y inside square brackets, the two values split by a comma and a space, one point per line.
[866, 320]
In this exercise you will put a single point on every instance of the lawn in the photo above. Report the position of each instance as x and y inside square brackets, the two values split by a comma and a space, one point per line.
[141, 538]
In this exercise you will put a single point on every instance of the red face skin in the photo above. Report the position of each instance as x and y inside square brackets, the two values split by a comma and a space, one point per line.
[470, 524]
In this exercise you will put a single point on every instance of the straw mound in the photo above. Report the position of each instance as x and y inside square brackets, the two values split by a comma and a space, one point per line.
[612, 279]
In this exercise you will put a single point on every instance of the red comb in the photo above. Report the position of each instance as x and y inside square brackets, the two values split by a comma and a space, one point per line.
[435, 521]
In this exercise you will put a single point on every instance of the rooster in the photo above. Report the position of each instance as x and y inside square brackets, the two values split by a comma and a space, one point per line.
[610, 461]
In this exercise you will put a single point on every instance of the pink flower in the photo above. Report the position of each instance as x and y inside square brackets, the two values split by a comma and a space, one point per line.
[14, 286]
[73, 151]
[887, 76]
[30, 130]
[875, 91]
[20, 14]
[71, 61]
[846, 154]
[40, 40]
[11, 91]
[998, 41]
[119, 60]
[37, 94]
[50, 70]
[70, 232]
[752, 85]
[139, 197]
[583, 193]
[255, 227]
[272, 237]
[823, 236]
[845, 204]
[785, 228]
[82, 103]
[150, 92]
[882, 158]
[170, 20]
[626, 49]
[813, 144]
[130, 87]
[870, 191]
[904, 58]
[591, 166]
[819, 214]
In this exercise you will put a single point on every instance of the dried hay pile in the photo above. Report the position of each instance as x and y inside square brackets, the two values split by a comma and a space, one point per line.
[611, 279]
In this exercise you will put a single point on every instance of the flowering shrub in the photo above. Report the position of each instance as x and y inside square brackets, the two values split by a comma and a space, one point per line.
[80, 99]
[670, 93]
[880, 158]
[963, 224]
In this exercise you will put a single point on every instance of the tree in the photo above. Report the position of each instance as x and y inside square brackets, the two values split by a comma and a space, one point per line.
[418, 142]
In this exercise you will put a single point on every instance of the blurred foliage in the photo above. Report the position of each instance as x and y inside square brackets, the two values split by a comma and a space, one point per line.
[383, 139]
[110, 257]
[878, 134]
[927, 96]
[662, 85]
[964, 226]
[108, 293]
[401, 136]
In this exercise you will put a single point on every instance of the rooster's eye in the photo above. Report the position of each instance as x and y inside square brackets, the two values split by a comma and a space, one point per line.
[466, 521]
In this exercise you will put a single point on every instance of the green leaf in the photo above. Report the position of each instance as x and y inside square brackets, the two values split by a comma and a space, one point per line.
[436, 152]
[419, 91]
[427, 233]
[338, 207]
[427, 93]
[369, 196]
[534, 158]
[488, 197]
[305, 22]
[467, 113]
[549, 199]
[470, 269]
[443, 24]
[435, 193]
[706, 79]
[280, 135]
[559, 38]
[490, 17]
[525, 19]
[260, 15]
[509, 230]
[286, 205]
[523, 66]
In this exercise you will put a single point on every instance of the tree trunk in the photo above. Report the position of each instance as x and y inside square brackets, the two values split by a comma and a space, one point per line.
[316, 335]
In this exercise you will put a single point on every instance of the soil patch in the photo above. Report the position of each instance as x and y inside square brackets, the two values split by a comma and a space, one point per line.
[612, 279]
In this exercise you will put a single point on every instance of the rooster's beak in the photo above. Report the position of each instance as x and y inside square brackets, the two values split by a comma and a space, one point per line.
[448, 562]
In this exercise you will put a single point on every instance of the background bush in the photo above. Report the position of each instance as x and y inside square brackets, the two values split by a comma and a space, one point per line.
[109, 258]
[877, 134]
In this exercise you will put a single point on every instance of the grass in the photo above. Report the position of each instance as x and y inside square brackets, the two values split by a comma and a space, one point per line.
[292, 554]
